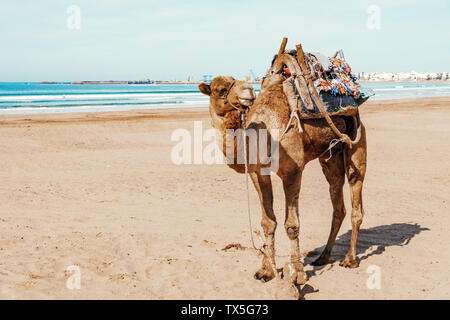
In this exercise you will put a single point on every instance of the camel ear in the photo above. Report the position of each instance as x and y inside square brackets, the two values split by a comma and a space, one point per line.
[205, 88]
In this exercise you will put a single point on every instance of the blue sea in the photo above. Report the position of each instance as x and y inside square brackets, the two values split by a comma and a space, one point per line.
[30, 98]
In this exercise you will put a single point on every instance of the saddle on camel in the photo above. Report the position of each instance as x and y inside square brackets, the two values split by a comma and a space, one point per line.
[316, 86]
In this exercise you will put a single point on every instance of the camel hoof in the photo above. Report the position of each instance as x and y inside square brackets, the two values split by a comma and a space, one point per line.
[263, 275]
[301, 278]
[349, 263]
[294, 273]
[321, 261]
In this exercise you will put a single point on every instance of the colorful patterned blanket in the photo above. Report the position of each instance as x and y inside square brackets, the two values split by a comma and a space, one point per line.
[337, 85]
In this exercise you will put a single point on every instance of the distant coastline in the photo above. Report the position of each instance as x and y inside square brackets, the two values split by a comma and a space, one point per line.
[112, 82]
[413, 77]
[147, 81]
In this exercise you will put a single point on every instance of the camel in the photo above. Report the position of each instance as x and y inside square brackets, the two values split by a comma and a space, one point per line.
[270, 110]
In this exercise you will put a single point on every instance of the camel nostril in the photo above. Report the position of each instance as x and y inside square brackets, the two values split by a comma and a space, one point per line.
[244, 102]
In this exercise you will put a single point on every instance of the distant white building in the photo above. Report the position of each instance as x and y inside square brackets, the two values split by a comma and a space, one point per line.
[434, 75]
[382, 76]
[404, 76]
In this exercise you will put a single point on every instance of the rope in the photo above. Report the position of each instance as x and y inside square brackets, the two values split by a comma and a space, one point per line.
[244, 121]
[331, 146]
[243, 116]
[263, 249]
[308, 78]
[291, 117]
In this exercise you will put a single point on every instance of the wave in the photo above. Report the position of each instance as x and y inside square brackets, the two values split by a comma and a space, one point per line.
[102, 108]
[111, 96]
[52, 104]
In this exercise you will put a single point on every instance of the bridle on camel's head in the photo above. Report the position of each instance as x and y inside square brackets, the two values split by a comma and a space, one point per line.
[241, 111]
[226, 97]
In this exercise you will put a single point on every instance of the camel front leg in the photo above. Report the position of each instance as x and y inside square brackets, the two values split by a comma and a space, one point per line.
[291, 185]
[355, 165]
[263, 186]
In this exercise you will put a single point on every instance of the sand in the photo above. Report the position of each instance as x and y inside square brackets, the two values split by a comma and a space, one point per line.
[99, 192]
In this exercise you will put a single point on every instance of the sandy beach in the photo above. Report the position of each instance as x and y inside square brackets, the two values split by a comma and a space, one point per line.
[99, 191]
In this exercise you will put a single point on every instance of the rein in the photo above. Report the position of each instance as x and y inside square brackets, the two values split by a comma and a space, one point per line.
[263, 249]
[243, 122]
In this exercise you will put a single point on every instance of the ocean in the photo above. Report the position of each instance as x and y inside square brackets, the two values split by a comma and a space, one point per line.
[32, 98]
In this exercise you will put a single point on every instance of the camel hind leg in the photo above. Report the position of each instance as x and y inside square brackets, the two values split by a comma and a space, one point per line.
[263, 186]
[355, 160]
[334, 172]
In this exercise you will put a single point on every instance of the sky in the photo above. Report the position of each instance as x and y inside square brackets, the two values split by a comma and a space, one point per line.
[169, 39]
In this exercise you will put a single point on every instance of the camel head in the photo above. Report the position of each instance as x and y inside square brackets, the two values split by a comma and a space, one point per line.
[228, 97]
[227, 94]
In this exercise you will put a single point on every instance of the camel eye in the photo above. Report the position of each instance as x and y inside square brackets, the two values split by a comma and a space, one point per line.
[222, 92]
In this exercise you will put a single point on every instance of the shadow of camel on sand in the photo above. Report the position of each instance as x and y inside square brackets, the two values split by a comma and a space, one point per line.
[372, 241]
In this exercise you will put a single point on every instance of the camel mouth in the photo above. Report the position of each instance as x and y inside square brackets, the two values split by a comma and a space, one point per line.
[246, 102]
